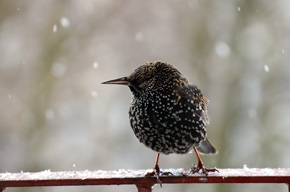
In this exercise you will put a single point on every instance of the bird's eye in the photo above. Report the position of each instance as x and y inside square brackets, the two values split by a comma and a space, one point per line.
[142, 79]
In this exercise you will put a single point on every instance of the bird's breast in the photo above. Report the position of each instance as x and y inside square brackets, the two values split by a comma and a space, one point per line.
[167, 123]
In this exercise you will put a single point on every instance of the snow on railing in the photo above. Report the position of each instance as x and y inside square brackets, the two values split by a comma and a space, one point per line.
[136, 177]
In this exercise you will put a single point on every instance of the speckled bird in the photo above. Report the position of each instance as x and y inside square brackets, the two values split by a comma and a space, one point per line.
[167, 113]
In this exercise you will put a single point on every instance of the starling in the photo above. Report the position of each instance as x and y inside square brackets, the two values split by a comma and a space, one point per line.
[167, 113]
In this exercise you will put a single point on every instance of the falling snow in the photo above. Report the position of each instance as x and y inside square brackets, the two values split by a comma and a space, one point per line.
[222, 49]
[64, 22]
[54, 28]
[94, 94]
[266, 68]
[95, 65]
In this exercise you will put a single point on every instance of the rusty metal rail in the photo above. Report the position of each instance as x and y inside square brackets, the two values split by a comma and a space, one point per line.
[136, 177]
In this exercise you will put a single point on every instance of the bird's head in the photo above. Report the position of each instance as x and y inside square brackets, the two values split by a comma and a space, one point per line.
[151, 77]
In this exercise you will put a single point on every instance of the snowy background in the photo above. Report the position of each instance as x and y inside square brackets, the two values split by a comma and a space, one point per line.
[55, 115]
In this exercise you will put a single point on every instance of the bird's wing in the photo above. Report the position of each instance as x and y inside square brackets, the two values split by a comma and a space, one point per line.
[191, 92]
[192, 96]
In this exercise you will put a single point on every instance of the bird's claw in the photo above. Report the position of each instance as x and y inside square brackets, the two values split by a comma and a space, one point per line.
[200, 167]
[156, 172]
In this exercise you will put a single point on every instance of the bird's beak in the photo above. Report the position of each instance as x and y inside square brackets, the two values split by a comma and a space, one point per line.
[119, 81]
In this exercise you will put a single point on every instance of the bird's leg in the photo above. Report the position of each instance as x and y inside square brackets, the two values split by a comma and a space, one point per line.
[156, 171]
[200, 166]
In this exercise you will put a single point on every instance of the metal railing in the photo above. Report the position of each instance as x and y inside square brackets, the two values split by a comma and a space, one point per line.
[136, 177]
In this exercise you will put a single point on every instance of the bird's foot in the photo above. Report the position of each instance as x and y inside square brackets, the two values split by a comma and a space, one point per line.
[156, 172]
[200, 167]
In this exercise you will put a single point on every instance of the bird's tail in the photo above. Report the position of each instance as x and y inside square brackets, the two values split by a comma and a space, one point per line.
[206, 147]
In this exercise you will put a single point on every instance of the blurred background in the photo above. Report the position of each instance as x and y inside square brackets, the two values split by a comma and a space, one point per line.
[55, 115]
